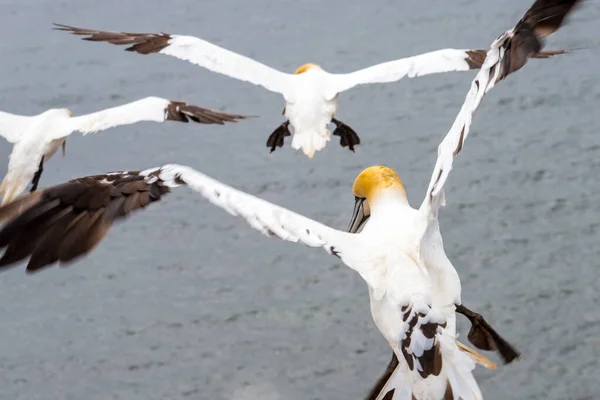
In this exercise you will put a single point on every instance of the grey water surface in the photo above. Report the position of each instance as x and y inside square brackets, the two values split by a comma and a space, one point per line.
[183, 301]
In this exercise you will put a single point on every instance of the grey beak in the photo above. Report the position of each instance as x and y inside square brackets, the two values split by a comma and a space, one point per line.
[358, 216]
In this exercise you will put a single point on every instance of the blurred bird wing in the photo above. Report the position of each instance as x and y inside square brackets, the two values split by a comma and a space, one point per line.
[507, 54]
[546, 17]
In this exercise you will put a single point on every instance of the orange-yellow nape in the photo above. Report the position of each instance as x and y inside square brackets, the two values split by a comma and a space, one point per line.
[305, 68]
[375, 179]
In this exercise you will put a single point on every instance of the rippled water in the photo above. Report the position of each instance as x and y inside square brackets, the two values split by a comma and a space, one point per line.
[185, 302]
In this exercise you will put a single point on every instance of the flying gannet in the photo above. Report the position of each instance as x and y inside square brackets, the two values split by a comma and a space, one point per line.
[310, 94]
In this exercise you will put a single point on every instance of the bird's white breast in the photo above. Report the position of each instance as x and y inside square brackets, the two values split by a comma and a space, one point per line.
[392, 238]
[306, 106]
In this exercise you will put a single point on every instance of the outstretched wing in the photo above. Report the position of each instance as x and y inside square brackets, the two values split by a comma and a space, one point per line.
[153, 109]
[507, 54]
[13, 126]
[546, 16]
[63, 222]
[194, 50]
[434, 62]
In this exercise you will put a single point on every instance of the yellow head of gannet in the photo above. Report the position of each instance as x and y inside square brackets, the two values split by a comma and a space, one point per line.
[369, 185]
[68, 111]
[306, 67]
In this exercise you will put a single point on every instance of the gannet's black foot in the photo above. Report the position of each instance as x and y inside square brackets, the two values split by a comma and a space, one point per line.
[484, 337]
[276, 138]
[36, 178]
[347, 135]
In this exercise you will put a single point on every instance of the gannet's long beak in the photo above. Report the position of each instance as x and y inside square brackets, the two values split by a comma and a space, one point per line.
[359, 217]
[64, 147]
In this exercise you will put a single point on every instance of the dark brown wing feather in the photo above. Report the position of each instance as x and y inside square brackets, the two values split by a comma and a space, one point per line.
[63, 222]
[543, 18]
[546, 16]
[182, 112]
[476, 58]
[143, 43]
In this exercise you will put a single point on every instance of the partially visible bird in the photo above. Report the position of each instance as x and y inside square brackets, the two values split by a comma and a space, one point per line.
[36, 138]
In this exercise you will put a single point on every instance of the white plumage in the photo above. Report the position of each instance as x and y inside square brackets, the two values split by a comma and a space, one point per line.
[310, 94]
[37, 138]
[413, 287]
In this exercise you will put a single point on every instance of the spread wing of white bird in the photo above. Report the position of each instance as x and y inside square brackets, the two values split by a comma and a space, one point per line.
[445, 60]
[88, 207]
[507, 54]
[217, 59]
[151, 108]
[13, 126]
[454, 140]
[196, 51]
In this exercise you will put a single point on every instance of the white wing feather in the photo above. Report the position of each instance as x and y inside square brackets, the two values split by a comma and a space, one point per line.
[443, 275]
[485, 80]
[444, 60]
[146, 109]
[223, 61]
[269, 219]
[13, 126]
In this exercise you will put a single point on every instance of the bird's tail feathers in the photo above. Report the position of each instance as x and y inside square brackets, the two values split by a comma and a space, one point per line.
[310, 141]
[399, 382]
[457, 368]
[455, 380]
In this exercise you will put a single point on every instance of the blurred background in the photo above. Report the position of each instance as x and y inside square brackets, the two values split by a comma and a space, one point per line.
[184, 301]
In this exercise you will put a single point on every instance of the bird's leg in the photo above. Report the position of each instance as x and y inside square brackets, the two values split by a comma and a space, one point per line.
[37, 176]
[276, 138]
[484, 337]
[389, 370]
[347, 135]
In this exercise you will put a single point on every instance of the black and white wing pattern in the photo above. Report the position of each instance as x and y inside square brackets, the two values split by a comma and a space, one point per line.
[153, 109]
[507, 54]
[63, 222]
[192, 49]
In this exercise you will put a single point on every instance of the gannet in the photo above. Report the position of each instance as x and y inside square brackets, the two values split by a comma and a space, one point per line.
[398, 253]
[310, 94]
[37, 138]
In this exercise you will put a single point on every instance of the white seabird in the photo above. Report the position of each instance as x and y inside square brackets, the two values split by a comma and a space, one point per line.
[36, 138]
